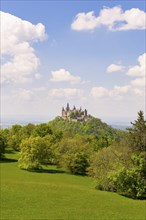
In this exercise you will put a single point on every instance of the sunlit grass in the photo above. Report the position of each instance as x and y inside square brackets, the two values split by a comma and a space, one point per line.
[57, 195]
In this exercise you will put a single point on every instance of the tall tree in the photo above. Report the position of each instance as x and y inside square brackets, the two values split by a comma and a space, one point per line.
[137, 134]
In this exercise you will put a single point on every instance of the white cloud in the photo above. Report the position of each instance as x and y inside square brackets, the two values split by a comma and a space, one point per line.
[39, 89]
[139, 82]
[38, 76]
[85, 21]
[117, 92]
[134, 18]
[63, 75]
[66, 93]
[17, 36]
[114, 18]
[135, 87]
[138, 70]
[139, 92]
[114, 68]
[22, 94]
[99, 92]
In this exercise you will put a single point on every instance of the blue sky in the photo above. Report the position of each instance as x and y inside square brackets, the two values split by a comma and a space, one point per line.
[87, 53]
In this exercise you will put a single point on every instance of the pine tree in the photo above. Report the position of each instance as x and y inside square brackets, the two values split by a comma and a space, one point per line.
[137, 134]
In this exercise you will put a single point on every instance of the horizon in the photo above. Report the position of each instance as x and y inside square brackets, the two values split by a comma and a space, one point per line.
[91, 54]
[8, 121]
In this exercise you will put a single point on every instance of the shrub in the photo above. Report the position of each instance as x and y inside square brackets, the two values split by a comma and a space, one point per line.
[108, 160]
[73, 154]
[131, 182]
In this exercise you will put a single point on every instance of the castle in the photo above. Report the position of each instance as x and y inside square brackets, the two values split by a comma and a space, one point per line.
[74, 114]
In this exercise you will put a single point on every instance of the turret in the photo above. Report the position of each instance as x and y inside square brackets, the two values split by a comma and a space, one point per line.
[67, 108]
[74, 108]
[63, 111]
[85, 112]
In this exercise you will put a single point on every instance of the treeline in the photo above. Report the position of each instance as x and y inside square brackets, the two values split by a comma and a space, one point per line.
[114, 158]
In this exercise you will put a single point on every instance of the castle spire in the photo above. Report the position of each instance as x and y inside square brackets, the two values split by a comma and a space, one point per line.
[74, 108]
[67, 108]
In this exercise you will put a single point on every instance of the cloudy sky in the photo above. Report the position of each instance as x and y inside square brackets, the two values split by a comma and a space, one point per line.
[88, 53]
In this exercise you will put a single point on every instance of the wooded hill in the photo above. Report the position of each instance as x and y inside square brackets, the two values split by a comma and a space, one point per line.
[93, 126]
[114, 158]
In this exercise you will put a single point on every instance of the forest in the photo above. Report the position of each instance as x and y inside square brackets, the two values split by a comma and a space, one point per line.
[115, 159]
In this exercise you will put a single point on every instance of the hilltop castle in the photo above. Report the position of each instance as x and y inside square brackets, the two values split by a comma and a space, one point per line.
[74, 114]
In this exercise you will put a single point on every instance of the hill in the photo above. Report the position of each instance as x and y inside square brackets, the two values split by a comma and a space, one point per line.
[54, 194]
[94, 126]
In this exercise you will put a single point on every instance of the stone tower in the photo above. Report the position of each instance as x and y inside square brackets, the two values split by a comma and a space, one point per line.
[67, 108]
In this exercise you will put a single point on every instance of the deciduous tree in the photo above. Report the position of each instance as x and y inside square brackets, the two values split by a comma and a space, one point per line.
[33, 153]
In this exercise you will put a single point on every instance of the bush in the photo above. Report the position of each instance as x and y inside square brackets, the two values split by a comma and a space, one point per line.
[73, 154]
[131, 182]
[108, 160]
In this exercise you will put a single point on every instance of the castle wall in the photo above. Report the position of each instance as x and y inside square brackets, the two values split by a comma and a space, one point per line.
[80, 115]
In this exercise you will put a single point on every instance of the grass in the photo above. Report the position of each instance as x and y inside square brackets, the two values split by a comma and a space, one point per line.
[55, 195]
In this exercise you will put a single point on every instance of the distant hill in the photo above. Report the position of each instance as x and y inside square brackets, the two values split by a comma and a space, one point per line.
[121, 127]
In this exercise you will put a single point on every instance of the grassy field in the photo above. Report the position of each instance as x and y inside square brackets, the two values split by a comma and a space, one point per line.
[59, 196]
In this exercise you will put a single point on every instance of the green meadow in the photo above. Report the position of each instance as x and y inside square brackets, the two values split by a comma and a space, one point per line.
[56, 195]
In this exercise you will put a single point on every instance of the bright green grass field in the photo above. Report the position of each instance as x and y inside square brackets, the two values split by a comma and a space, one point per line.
[55, 195]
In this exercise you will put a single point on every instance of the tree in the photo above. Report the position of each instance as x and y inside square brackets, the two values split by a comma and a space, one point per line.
[42, 130]
[131, 182]
[2, 144]
[73, 154]
[108, 160]
[14, 138]
[137, 134]
[27, 130]
[33, 153]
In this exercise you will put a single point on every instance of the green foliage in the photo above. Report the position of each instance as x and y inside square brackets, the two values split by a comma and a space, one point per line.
[2, 144]
[105, 135]
[131, 182]
[108, 160]
[18, 133]
[73, 154]
[75, 114]
[42, 130]
[27, 130]
[111, 156]
[15, 137]
[137, 134]
[33, 152]
[122, 168]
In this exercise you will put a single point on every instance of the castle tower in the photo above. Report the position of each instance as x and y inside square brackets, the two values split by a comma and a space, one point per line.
[63, 112]
[74, 108]
[67, 108]
[85, 113]
[74, 114]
